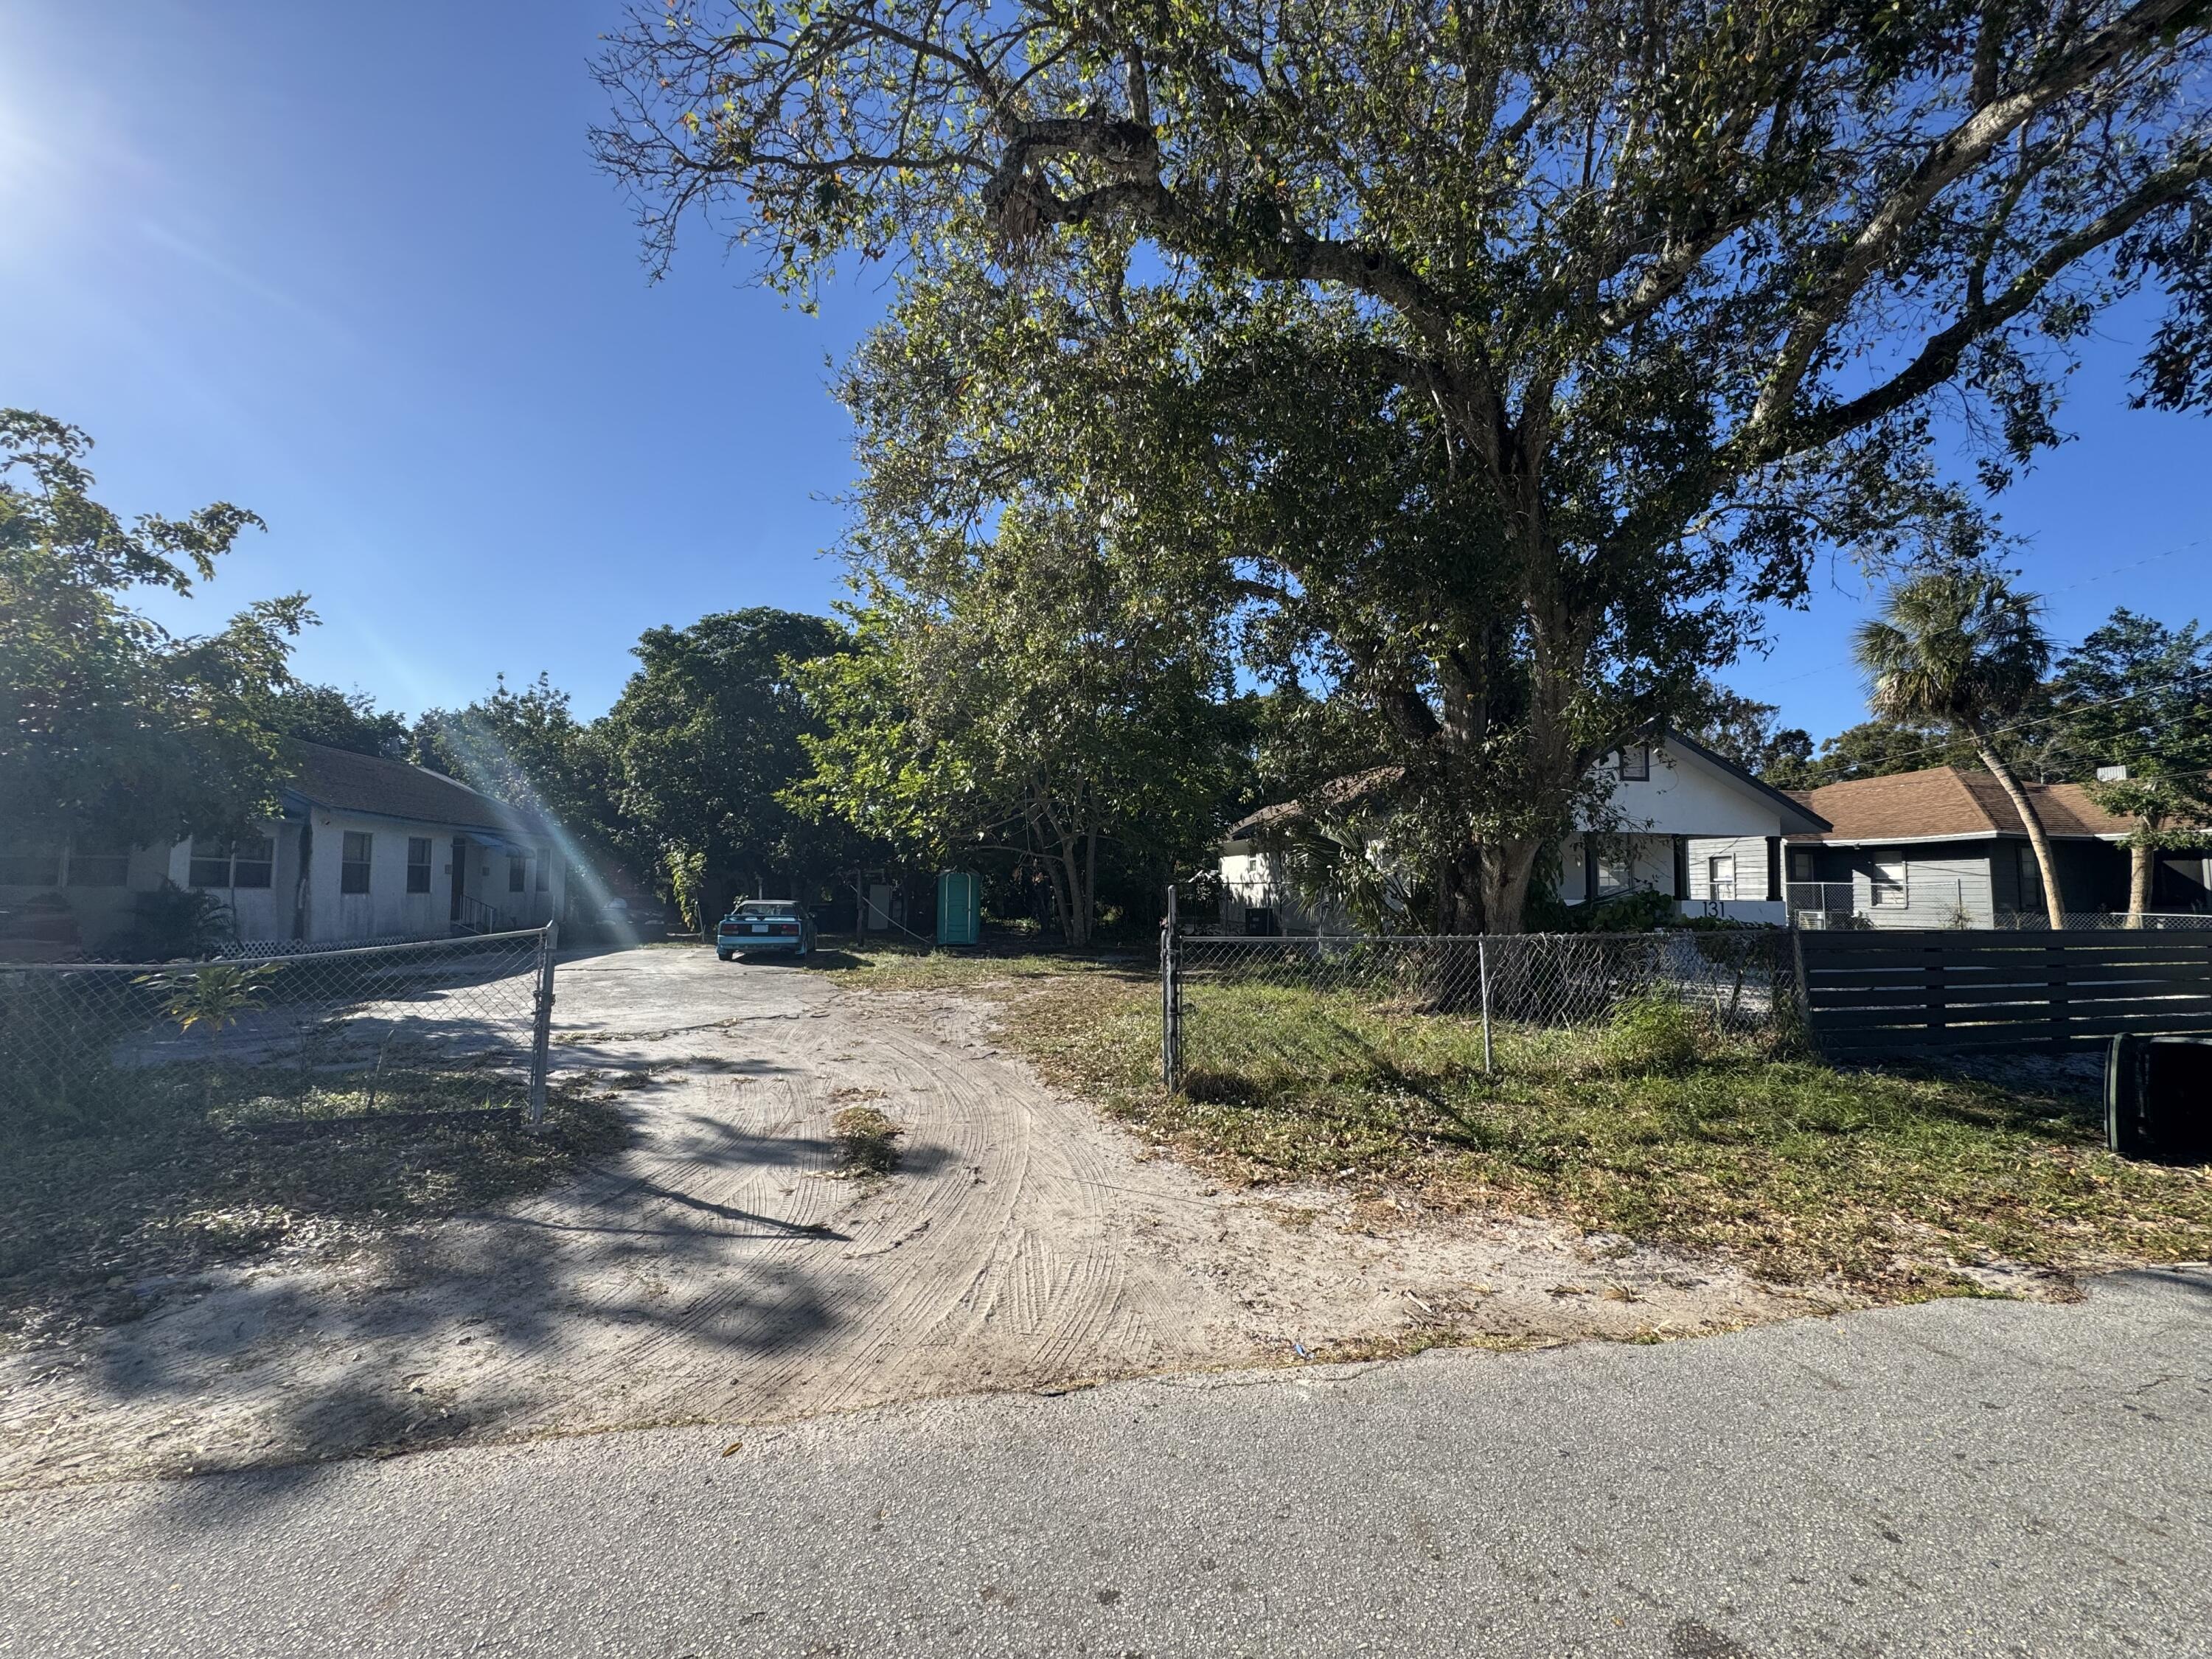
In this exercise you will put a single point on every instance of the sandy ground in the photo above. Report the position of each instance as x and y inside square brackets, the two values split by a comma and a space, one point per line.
[719, 1271]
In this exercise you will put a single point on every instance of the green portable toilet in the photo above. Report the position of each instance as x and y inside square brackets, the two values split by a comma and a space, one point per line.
[959, 907]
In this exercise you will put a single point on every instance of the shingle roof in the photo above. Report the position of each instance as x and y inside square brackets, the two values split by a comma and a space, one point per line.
[1947, 800]
[350, 782]
[1333, 796]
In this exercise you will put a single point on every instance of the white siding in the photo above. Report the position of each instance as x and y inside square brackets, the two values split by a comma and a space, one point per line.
[1749, 853]
[1686, 795]
[1937, 893]
[388, 910]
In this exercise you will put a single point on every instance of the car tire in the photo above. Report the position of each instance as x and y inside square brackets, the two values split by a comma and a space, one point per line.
[723, 956]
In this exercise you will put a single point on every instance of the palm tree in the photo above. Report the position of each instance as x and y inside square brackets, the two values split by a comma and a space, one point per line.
[1959, 647]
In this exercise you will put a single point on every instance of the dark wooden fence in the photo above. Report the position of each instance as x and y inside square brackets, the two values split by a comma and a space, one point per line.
[1891, 992]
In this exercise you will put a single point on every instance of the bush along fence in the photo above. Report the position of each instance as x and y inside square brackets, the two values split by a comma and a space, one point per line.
[1869, 995]
[1230, 1005]
[445, 1026]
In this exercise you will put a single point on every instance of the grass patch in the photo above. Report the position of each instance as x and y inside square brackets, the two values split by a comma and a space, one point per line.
[149, 1173]
[879, 965]
[867, 1141]
[1889, 1180]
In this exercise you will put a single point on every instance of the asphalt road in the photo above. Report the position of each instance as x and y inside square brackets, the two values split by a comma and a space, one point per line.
[1963, 1478]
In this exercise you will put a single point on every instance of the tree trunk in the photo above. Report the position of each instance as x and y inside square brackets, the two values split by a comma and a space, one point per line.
[2054, 900]
[1506, 868]
[2142, 857]
[1459, 897]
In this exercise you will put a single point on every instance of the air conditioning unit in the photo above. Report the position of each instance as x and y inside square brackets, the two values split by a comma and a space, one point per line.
[2158, 1099]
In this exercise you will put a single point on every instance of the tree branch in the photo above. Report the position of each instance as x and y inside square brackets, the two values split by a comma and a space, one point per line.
[1949, 159]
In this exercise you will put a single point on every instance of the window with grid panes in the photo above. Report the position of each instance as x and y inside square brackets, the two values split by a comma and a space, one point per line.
[353, 863]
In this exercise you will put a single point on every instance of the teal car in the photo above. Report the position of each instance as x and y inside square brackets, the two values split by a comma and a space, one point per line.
[758, 926]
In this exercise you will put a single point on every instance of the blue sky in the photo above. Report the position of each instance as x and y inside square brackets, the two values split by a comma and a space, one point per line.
[352, 267]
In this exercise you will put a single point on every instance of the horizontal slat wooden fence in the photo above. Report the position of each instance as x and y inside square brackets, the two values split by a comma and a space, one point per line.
[1873, 994]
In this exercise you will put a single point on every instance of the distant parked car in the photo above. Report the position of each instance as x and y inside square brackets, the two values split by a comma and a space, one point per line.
[765, 925]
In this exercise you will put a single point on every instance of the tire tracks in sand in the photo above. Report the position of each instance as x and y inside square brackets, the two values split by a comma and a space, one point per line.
[718, 1270]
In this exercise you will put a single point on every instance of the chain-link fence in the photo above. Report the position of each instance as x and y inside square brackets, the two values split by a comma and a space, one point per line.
[443, 1025]
[2102, 922]
[1231, 1003]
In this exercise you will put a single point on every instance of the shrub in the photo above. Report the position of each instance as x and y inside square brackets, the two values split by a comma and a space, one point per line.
[1638, 912]
[173, 923]
[1650, 1033]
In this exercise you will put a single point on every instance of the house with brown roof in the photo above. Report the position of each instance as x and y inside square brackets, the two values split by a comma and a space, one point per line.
[1947, 847]
[365, 849]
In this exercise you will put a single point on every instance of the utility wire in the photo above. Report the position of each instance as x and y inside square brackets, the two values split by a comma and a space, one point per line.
[2040, 720]
[2086, 581]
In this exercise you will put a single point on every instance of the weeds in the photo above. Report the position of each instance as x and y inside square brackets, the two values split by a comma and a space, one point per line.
[1652, 1128]
[867, 1141]
[142, 1176]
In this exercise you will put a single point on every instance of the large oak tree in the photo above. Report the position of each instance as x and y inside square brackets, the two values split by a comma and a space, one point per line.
[1660, 298]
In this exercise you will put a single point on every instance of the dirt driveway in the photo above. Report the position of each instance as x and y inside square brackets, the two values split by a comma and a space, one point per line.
[719, 1271]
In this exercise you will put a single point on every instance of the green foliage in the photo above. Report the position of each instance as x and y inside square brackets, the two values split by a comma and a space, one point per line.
[528, 749]
[1884, 1180]
[705, 736]
[1650, 1035]
[1503, 364]
[212, 998]
[1637, 912]
[1048, 696]
[173, 921]
[686, 868]
[339, 720]
[2138, 694]
[110, 726]
[1954, 645]
[1743, 729]
[1873, 749]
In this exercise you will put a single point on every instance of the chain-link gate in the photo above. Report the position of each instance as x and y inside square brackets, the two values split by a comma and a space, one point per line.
[440, 1025]
[1226, 1000]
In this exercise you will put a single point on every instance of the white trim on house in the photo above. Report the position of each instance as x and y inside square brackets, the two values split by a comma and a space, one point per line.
[1685, 803]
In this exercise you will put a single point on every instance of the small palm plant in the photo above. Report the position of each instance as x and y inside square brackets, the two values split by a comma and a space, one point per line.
[211, 999]
[1959, 646]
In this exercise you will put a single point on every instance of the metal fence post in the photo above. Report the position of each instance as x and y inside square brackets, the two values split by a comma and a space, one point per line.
[1482, 966]
[1170, 1003]
[541, 1035]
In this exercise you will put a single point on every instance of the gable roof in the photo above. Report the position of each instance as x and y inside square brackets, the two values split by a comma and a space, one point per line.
[1793, 803]
[1947, 801]
[1339, 794]
[346, 781]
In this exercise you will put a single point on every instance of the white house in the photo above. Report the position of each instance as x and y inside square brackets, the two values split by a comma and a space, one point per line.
[367, 849]
[1689, 824]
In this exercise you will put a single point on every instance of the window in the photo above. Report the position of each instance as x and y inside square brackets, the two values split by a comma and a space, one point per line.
[1802, 867]
[249, 861]
[2031, 879]
[419, 864]
[99, 864]
[545, 873]
[353, 862]
[1636, 764]
[254, 861]
[22, 866]
[518, 867]
[210, 862]
[1720, 876]
[1891, 888]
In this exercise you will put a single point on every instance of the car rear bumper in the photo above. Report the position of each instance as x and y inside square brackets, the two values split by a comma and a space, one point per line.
[753, 943]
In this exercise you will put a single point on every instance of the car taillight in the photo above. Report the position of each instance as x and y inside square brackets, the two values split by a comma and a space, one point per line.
[786, 928]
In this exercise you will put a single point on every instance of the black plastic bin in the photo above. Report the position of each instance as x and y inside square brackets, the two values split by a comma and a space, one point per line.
[2158, 1099]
